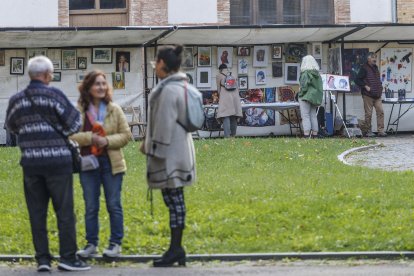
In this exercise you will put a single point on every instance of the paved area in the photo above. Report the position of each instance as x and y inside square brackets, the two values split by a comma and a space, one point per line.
[288, 268]
[395, 153]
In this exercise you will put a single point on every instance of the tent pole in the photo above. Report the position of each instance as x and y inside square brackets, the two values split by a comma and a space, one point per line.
[342, 70]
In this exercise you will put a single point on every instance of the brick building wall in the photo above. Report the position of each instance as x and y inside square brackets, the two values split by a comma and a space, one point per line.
[148, 13]
[405, 11]
[342, 11]
[223, 12]
[63, 13]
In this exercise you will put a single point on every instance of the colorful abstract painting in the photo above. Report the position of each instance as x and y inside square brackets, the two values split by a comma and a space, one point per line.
[396, 67]
[258, 117]
[287, 94]
[353, 61]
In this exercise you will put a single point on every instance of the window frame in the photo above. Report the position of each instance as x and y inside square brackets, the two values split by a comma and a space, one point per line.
[304, 13]
[98, 10]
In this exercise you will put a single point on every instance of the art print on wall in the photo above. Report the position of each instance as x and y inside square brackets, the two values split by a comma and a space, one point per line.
[118, 80]
[225, 56]
[2, 57]
[188, 58]
[80, 77]
[69, 60]
[101, 55]
[191, 77]
[203, 77]
[204, 56]
[261, 76]
[295, 52]
[258, 117]
[16, 66]
[292, 73]
[123, 61]
[277, 51]
[243, 66]
[243, 82]
[243, 51]
[56, 76]
[396, 68]
[55, 56]
[82, 63]
[277, 69]
[354, 59]
[34, 52]
[317, 50]
[335, 61]
[260, 56]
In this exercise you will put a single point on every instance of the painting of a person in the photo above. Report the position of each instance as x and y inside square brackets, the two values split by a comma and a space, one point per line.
[224, 57]
[123, 64]
[260, 55]
[331, 82]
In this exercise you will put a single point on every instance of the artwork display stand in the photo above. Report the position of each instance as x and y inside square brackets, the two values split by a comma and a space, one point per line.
[333, 100]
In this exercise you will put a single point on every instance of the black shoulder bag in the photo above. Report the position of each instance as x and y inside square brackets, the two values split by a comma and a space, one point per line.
[74, 149]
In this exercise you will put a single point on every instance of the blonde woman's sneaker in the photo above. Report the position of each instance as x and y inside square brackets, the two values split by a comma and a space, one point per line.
[113, 250]
[76, 265]
[88, 251]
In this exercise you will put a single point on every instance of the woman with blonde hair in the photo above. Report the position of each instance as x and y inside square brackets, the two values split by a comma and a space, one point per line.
[310, 95]
[104, 133]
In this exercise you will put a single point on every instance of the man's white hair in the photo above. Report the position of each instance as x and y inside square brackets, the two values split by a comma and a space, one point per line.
[309, 63]
[39, 65]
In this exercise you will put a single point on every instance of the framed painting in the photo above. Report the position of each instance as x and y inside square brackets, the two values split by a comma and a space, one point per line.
[55, 56]
[277, 51]
[243, 83]
[243, 66]
[123, 61]
[260, 56]
[204, 56]
[188, 58]
[260, 76]
[295, 52]
[36, 52]
[317, 50]
[16, 66]
[82, 63]
[204, 77]
[57, 76]
[80, 77]
[243, 51]
[225, 56]
[101, 55]
[292, 73]
[118, 80]
[69, 59]
[277, 69]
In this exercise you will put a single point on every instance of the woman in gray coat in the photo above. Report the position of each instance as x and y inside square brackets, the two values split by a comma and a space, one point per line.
[169, 147]
[229, 104]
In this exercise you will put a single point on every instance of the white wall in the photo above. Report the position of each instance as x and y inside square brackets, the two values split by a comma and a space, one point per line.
[371, 11]
[132, 95]
[29, 13]
[192, 11]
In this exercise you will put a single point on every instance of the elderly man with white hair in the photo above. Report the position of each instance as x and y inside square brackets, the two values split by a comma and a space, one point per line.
[43, 118]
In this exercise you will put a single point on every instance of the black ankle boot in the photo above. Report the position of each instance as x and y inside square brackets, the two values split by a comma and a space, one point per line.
[175, 253]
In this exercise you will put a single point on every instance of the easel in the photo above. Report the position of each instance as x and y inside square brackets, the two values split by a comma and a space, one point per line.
[333, 100]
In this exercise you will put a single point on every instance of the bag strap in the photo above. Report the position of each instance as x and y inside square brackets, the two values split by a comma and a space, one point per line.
[65, 138]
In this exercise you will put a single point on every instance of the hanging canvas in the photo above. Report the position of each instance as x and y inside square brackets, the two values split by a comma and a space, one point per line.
[204, 56]
[292, 73]
[34, 52]
[225, 56]
[55, 57]
[334, 61]
[396, 67]
[188, 58]
[277, 69]
[242, 68]
[69, 60]
[258, 117]
[243, 51]
[295, 52]
[317, 50]
[204, 77]
[16, 66]
[123, 61]
[353, 61]
[260, 56]
[260, 76]
[277, 51]
[118, 80]
[243, 83]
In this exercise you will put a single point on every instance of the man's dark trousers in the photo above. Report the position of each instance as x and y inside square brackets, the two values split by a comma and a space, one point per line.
[38, 190]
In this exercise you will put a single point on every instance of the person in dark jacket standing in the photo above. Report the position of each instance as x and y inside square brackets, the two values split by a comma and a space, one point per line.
[368, 79]
[41, 116]
[310, 95]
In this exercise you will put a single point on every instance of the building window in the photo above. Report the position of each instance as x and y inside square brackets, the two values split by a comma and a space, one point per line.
[96, 4]
[262, 12]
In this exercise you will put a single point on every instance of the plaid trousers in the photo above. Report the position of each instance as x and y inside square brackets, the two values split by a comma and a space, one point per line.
[174, 199]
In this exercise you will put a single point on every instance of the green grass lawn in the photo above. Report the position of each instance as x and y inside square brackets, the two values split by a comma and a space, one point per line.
[252, 195]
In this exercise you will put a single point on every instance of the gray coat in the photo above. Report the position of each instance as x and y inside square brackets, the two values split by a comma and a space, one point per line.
[229, 102]
[169, 148]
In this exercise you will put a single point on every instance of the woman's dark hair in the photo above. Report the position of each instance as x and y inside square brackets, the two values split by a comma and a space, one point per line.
[85, 97]
[172, 56]
[222, 66]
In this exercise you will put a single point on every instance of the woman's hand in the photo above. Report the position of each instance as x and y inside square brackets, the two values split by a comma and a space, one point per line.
[99, 141]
